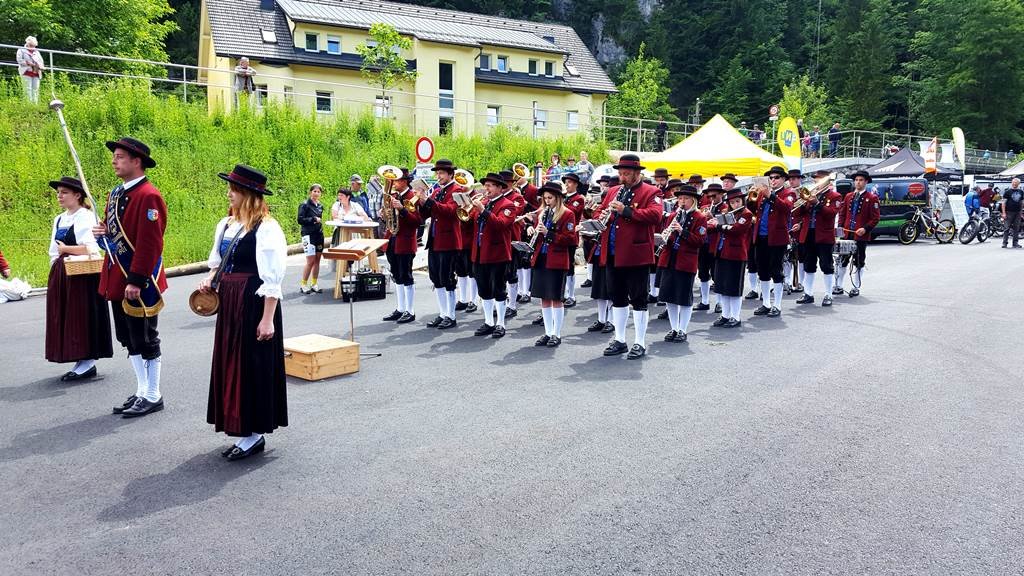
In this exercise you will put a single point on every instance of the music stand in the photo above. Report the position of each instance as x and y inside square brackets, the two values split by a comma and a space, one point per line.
[355, 251]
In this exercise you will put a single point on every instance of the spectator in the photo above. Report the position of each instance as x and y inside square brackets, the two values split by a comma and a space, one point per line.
[571, 167]
[355, 184]
[660, 132]
[30, 67]
[1012, 201]
[987, 155]
[800, 128]
[584, 168]
[243, 79]
[5, 268]
[833, 140]
[555, 169]
[757, 135]
[311, 214]
[743, 129]
[815, 142]
[985, 198]
[805, 144]
[972, 202]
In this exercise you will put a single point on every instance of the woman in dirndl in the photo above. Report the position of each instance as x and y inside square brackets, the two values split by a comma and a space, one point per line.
[77, 317]
[551, 260]
[733, 244]
[247, 379]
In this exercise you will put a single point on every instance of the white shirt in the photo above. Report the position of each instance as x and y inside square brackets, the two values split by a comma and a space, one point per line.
[353, 209]
[271, 253]
[133, 182]
[82, 221]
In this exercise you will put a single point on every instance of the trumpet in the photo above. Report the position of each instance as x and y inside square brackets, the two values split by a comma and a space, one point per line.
[464, 178]
[754, 194]
[820, 187]
[389, 174]
[522, 172]
[463, 212]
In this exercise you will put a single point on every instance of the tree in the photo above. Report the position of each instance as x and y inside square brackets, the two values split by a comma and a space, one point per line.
[802, 99]
[729, 96]
[643, 93]
[383, 64]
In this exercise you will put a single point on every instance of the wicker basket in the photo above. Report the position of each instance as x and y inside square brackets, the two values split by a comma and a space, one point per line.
[91, 265]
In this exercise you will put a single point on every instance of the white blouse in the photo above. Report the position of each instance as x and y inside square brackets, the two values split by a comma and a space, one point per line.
[271, 253]
[354, 208]
[82, 221]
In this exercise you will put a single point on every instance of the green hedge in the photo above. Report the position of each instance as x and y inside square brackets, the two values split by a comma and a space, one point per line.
[191, 147]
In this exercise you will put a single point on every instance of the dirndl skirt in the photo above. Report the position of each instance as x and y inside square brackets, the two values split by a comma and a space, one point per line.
[77, 317]
[247, 379]
[729, 277]
[545, 283]
[676, 287]
[599, 284]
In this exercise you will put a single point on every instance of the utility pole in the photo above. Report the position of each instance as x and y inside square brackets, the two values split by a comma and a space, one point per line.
[696, 113]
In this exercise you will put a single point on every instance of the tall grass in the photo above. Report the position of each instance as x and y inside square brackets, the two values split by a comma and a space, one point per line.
[293, 148]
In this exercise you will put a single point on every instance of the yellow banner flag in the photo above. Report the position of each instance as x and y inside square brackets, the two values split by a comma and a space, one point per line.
[788, 137]
[960, 147]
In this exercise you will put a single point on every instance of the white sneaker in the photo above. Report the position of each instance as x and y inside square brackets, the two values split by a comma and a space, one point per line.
[316, 289]
[305, 289]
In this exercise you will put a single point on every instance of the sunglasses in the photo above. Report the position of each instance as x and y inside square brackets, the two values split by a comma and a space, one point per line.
[775, 177]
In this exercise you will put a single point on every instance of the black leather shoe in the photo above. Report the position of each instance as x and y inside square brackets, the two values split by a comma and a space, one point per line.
[615, 348]
[447, 323]
[774, 312]
[554, 341]
[126, 405]
[752, 295]
[523, 299]
[392, 317]
[700, 306]
[608, 328]
[569, 302]
[237, 453]
[798, 288]
[837, 291]
[854, 292]
[483, 330]
[227, 451]
[663, 315]
[761, 310]
[460, 306]
[680, 336]
[499, 331]
[597, 326]
[142, 407]
[542, 341]
[71, 376]
[805, 299]
[722, 321]
[652, 299]
[405, 318]
[637, 351]
[435, 322]
[718, 308]
[587, 284]
[471, 307]
[732, 324]
[826, 301]
[538, 321]
[670, 336]
[511, 313]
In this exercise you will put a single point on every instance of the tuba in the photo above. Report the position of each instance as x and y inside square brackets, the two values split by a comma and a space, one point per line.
[464, 178]
[390, 214]
[522, 171]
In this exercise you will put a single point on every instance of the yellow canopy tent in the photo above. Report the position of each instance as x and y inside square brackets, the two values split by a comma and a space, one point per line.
[715, 149]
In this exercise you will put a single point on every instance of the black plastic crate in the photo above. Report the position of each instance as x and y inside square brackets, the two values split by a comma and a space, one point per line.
[371, 286]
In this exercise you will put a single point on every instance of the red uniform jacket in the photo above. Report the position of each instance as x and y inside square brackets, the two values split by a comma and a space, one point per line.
[713, 231]
[867, 215]
[408, 222]
[493, 244]
[445, 227]
[737, 237]
[790, 194]
[531, 194]
[575, 204]
[519, 202]
[634, 228]
[824, 221]
[563, 241]
[3, 263]
[143, 215]
[778, 220]
[691, 239]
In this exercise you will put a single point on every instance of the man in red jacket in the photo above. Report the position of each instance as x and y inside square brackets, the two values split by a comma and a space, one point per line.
[627, 250]
[771, 231]
[401, 249]
[858, 215]
[445, 241]
[132, 234]
[491, 251]
[816, 228]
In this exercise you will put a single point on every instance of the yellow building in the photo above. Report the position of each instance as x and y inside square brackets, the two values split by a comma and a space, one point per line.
[473, 72]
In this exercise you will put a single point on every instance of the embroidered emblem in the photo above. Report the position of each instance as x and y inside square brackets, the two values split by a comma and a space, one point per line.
[516, 203]
[656, 199]
[702, 230]
[569, 226]
[742, 220]
[508, 212]
[152, 214]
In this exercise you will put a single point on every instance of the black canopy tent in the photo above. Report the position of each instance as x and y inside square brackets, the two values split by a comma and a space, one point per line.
[907, 164]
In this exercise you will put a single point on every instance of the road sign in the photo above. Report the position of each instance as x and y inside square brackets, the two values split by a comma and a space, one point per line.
[773, 110]
[424, 149]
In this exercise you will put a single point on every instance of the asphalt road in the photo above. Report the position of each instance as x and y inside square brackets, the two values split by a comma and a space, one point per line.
[882, 435]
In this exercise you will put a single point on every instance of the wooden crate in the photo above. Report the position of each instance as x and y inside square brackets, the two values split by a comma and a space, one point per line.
[315, 357]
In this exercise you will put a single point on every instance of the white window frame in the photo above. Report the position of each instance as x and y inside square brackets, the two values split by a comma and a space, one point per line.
[572, 119]
[549, 65]
[288, 94]
[381, 106]
[488, 56]
[262, 95]
[500, 60]
[535, 64]
[306, 40]
[449, 95]
[330, 102]
[333, 39]
[541, 121]
[493, 119]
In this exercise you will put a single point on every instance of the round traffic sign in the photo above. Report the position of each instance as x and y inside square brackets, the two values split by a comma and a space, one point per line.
[424, 149]
[773, 110]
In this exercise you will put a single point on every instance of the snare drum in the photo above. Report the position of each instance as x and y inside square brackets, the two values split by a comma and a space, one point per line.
[844, 247]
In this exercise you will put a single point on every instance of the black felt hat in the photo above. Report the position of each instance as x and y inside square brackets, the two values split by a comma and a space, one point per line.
[134, 147]
[629, 161]
[777, 170]
[496, 178]
[249, 178]
[444, 164]
[68, 182]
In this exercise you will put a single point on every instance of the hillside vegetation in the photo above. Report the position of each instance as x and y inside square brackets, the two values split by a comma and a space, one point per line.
[295, 149]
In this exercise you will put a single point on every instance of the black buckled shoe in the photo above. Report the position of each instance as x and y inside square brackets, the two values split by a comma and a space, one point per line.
[126, 405]
[471, 307]
[597, 326]
[72, 375]
[762, 310]
[392, 317]
[406, 318]
[524, 299]
[805, 299]
[608, 328]
[447, 323]
[237, 453]
[587, 284]
[483, 330]
[142, 407]
[774, 312]
[837, 291]
[731, 323]
[663, 315]
[826, 301]
[499, 331]
[460, 306]
[701, 307]
[636, 352]
[652, 299]
[435, 322]
[854, 292]
[680, 336]
[718, 308]
[542, 341]
[722, 321]
[511, 313]
[569, 302]
[615, 348]
[752, 295]
[670, 336]
[538, 321]
[798, 288]
[554, 341]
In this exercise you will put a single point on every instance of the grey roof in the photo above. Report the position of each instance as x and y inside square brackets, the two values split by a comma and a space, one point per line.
[235, 26]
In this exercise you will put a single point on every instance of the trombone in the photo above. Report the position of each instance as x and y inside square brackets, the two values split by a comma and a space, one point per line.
[820, 187]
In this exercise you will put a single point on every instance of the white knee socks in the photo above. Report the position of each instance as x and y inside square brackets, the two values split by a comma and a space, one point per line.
[602, 310]
[840, 276]
[409, 293]
[766, 293]
[558, 316]
[705, 292]
[570, 286]
[527, 278]
[442, 302]
[501, 313]
[400, 294]
[830, 280]
[619, 321]
[650, 283]
[802, 274]
[473, 292]
[640, 326]
[808, 282]
[463, 286]
[549, 321]
[489, 312]
[153, 379]
[139, 365]
[752, 280]
[683, 322]
[673, 315]
[451, 304]
[590, 272]
[777, 298]
[513, 295]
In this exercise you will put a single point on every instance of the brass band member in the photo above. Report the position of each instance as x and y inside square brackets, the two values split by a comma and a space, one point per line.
[401, 249]
[733, 244]
[816, 226]
[445, 241]
[464, 279]
[792, 192]
[599, 292]
[706, 258]
[491, 247]
[588, 212]
[554, 245]
[858, 216]
[574, 202]
[687, 234]
[772, 232]
[627, 249]
[520, 263]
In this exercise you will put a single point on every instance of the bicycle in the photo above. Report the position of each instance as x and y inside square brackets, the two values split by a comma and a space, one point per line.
[942, 230]
[976, 227]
